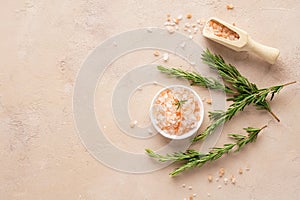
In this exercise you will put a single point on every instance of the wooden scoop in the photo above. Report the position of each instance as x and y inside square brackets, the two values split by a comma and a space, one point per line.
[237, 39]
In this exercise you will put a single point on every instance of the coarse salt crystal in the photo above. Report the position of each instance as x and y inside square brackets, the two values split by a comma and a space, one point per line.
[188, 25]
[179, 17]
[133, 124]
[170, 29]
[149, 30]
[225, 181]
[166, 57]
[182, 45]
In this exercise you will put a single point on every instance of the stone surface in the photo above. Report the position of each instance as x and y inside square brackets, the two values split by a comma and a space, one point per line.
[44, 43]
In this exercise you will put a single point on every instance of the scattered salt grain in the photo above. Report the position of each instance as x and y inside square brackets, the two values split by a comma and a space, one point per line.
[233, 180]
[209, 101]
[149, 30]
[194, 195]
[183, 185]
[182, 45]
[220, 186]
[190, 187]
[166, 57]
[156, 53]
[217, 179]
[115, 44]
[208, 194]
[133, 124]
[222, 170]
[210, 178]
[189, 16]
[188, 25]
[229, 6]
[225, 181]
[240, 171]
[170, 29]
[190, 36]
[179, 17]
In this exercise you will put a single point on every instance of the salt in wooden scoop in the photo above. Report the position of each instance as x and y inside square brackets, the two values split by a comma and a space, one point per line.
[237, 39]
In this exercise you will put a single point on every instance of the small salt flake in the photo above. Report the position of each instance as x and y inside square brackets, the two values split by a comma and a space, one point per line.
[182, 45]
[189, 16]
[170, 29]
[189, 30]
[208, 194]
[210, 178]
[233, 181]
[166, 57]
[229, 6]
[194, 195]
[177, 27]
[155, 83]
[115, 43]
[179, 17]
[193, 63]
[176, 21]
[190, 187]
[188, 25]
[150, 131]
[149, 30]
[240, 171]
[139, 88]
[190, 36]
[133, 124]
[220, 186]
[156, 53]
[104, 127]
[217, 179]
[183, 185]
[209, 101]
[225, 181]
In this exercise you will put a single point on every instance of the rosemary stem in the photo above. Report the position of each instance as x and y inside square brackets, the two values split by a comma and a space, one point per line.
[274, 115]
[290, 83]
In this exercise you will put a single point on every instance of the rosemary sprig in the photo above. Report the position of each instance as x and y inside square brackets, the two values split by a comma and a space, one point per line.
[239, 103]
[241, 84]
[179, 104]
[196, 79]
[192, 158]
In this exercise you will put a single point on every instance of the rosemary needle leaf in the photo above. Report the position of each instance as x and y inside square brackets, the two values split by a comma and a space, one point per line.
[193, 158]
[195, 78]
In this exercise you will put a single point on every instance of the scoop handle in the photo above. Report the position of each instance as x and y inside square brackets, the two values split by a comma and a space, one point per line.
[269, 54]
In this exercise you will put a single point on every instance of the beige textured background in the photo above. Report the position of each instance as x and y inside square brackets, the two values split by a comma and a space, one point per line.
[43, 44]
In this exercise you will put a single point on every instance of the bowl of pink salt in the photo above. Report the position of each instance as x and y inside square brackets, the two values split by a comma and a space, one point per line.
[177, 112]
